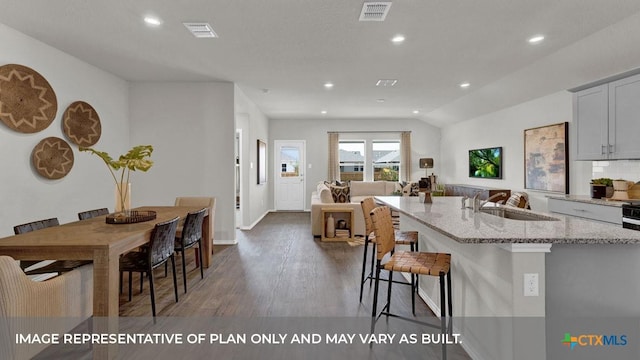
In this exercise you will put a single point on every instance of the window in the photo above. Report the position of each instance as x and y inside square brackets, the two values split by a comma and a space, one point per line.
[386, 160]
[351, 160]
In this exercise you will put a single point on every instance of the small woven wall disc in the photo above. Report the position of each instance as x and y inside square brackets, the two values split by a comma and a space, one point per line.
[52, 158]
[81, 124]
[28, 104]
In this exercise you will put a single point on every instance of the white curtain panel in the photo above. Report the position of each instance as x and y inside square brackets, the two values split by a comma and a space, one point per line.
[405, 156]
[334, 156]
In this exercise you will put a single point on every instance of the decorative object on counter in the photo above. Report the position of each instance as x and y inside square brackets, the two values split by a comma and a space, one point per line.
[545, 158]
[485, 163]
[425, 197]
[81, 124]
[602, 187]
[52, 158]
[620, 189]
[135, 159]
[28, 104]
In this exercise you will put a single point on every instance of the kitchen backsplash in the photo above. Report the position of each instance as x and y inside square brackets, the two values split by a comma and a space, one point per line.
[619, 169]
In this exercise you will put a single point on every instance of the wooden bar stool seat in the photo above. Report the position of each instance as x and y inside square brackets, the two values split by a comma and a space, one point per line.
[401, 238]
[415, 263]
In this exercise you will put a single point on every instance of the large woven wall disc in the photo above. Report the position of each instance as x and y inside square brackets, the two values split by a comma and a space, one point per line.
[81, 124]
[28, 104]
[52, 158]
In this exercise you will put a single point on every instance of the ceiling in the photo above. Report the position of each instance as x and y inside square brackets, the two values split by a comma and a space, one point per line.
[281, 52]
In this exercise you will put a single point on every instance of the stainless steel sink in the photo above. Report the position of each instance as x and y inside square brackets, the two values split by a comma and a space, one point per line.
[514, 214]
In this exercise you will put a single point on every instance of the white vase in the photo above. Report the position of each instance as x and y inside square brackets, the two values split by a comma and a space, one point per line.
[331, 227]
[120, 206]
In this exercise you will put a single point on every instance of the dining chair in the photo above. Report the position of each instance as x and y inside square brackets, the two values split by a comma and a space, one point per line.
[401, 238]
[159, 251]
[58, 266]
[413, 262]
[206, 202]
[191, 236]
[92, 213]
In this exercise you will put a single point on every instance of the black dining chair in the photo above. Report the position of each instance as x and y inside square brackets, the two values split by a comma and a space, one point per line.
[190, 237]
[84, 215]
[58, 266]
[157, 253]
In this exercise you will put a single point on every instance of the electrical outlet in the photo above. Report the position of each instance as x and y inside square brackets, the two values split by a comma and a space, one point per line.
[531, 285]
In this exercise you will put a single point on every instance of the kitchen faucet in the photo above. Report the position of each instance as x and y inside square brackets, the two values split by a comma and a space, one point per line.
[477, 203]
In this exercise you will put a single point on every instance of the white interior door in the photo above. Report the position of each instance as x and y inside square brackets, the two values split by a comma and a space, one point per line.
[289, 174]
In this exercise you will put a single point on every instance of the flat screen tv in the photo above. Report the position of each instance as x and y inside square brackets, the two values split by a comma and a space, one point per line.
[486, 163]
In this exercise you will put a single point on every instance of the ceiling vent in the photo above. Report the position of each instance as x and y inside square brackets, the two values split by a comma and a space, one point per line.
[375, 11]
[201, 30]
[387, 82]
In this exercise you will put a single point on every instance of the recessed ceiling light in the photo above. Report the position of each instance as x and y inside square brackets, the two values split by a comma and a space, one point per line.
[380, 100]
[152, 20]
[465, 85]
[416, 112]
[323, 112]
[328, 85]
[536, 39]
[398, 39]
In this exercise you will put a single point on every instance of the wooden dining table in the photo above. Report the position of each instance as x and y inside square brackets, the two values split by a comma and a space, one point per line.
[94, 239]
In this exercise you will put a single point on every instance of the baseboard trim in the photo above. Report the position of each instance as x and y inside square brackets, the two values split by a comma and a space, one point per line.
[256, 222]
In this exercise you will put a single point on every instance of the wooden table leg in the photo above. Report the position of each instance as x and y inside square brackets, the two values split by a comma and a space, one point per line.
[106, 268]
[207, 241]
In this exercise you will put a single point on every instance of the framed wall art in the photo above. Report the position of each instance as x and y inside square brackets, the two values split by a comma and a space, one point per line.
[546, 158]
[262, 162]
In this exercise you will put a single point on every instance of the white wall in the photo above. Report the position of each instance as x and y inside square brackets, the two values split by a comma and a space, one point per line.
[425, 142]
[256, 199]
[506, 128]
[25, 195]
[191, 127]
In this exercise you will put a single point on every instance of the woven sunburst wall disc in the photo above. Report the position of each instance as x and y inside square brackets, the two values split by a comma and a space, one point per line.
[81, 124]
[52, 158]
[28, 104]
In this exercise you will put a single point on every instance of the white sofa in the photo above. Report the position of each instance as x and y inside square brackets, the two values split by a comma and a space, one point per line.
[358, 191]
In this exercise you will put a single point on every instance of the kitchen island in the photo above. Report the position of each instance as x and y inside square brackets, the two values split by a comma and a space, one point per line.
[492, 255]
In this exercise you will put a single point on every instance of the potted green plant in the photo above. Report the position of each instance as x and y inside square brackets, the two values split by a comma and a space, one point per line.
[602, 187]
[135, 159]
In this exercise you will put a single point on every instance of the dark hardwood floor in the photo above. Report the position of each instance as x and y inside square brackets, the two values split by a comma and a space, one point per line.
[277, 269]
[278, 281]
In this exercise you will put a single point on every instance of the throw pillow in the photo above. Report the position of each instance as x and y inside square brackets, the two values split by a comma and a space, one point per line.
[411, 189]
[519, 199]
[340, 194]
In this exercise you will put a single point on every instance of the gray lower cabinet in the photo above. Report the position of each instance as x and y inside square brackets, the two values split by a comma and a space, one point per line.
[610, 214]
[606, 121]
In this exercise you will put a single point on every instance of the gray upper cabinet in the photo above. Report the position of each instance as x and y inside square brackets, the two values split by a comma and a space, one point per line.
[590, 123]
[606, 122]
[624, 118]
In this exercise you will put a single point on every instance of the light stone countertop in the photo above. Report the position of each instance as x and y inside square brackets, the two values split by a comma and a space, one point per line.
[463, 225]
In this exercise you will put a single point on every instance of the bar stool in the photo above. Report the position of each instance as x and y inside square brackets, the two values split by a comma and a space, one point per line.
[401, 238]
[416, 263]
